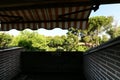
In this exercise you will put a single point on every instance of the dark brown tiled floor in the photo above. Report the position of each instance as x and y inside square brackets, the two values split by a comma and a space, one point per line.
[53, 76]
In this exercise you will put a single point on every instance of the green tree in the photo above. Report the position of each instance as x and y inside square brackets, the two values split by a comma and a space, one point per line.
[30, 41]
[71, 42]
[104, 38]
[56, 41]
[15, 41]
[27, 44]
[97, 25]
[114, 32]
[74, 31]
[5, 40]
[39, 42]
[87, 39]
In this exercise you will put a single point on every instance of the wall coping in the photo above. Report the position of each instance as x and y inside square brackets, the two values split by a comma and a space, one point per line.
[10, 49]
[104, 45]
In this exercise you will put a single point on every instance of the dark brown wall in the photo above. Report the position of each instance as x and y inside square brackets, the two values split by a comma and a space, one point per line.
[9, 63]
[103, 62]
[37, 62]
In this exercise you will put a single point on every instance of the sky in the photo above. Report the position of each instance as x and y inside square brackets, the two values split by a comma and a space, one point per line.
[108, 10]
[54, 32]
[104, 10]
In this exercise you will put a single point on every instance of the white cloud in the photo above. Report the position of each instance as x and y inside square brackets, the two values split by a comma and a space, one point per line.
[13, 32]
[54, 32]
[42, 31]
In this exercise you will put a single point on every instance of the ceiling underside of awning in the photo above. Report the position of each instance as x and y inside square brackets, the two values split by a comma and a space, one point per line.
[48, 14]
[47, 18]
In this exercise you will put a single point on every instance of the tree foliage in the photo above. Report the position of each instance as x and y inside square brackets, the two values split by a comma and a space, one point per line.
[100, 23]
[36, 42]
[104, 38]
[56, 41]
[71, 42]
[114, 32]
[5, 40]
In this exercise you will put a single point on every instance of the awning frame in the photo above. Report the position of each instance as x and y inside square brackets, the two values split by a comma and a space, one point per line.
[18, 19]
[50, 4]
[84, 7]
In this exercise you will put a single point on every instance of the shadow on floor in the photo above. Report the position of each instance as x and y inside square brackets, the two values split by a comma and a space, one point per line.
[52, 76]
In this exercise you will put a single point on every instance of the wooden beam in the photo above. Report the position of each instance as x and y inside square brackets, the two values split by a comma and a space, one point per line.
[109, 1]
[48, 4]
[28, 4]
[45, 21]
[88, 9]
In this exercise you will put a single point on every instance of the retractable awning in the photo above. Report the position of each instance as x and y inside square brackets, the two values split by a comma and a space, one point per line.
[48, 14]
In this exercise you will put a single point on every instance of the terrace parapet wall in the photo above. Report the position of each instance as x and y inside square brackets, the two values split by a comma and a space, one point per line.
[103, 62]
[10, 63]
